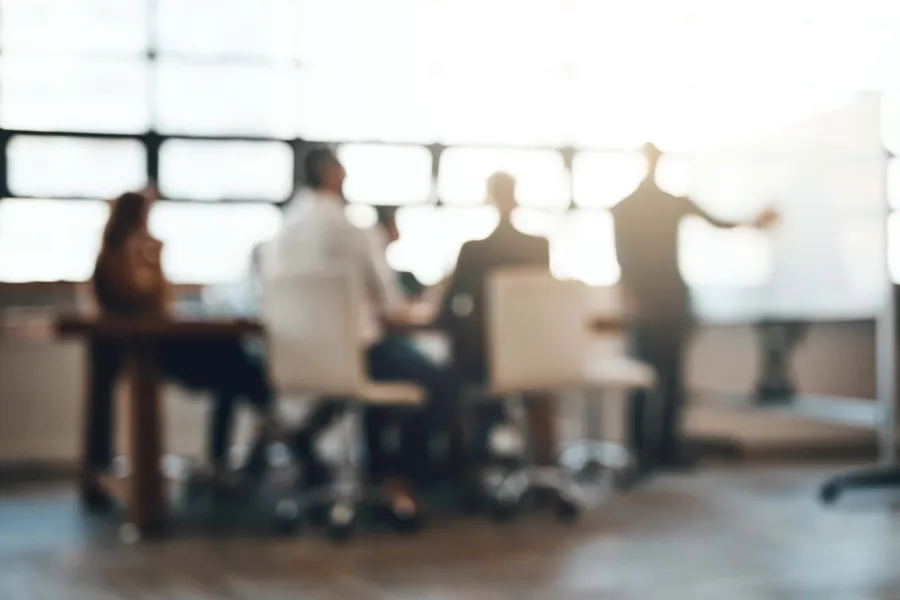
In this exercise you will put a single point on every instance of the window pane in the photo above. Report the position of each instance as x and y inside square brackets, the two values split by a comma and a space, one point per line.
[64, 26]
[541, 175]
[230, 28]
[890, 121]
[379, 174]
[211, 243]
[50, 240]
[213, 170]
[582, 242]
[583, 248]
[602, 179]
[466, 34]
[387, 32]
[707, 256]
[75, 167]
[214, 100]
[528, 108]
[361, 215]
[430, 238]
[540, 222]
[73, 95]
[371, 105]
[673, 175]
[894, 246]
[893, 183]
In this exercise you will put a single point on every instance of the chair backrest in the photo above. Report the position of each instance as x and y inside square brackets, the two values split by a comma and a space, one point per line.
[606, 302]
[536, 331]
[313, 332]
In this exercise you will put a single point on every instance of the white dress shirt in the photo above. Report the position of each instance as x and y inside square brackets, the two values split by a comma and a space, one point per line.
[318, 236]
[378, 238]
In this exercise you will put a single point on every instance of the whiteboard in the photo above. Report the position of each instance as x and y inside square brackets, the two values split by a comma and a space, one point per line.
[825, 173]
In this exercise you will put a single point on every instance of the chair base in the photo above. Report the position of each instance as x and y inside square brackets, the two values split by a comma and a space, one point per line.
[865, 479]
[508, 495]
[343, 502]
[589, 460]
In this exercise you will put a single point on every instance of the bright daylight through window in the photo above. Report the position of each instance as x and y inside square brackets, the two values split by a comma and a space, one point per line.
[213, 99]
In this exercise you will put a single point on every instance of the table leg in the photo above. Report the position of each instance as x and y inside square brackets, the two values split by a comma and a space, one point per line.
[542, 422]
[146, 497]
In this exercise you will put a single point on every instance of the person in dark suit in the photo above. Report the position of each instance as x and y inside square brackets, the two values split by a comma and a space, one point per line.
[463, 310]
[646, 232]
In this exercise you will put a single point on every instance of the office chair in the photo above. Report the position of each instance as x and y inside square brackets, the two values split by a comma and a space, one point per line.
[610, 370]
[537, 338]
[312, 323]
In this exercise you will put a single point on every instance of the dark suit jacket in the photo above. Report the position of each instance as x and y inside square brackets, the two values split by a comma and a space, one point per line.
[464, 307]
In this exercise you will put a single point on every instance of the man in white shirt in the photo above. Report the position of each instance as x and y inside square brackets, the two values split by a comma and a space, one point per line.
[316, 235]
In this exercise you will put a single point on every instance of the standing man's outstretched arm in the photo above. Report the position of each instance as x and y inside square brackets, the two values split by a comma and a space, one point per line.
[763, 220]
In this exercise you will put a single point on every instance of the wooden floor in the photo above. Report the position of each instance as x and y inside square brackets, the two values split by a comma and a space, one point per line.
[751, 533]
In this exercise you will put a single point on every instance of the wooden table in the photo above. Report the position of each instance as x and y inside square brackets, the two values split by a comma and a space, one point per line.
[139, 339]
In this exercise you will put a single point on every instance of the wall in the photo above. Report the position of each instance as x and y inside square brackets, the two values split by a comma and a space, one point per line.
[41, 383]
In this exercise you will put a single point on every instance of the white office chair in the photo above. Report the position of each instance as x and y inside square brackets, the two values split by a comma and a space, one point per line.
[608, 369]
[540, 342]
[536, 345]
[312, 321]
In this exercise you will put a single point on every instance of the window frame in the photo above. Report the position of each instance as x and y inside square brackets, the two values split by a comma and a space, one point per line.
[152, 140]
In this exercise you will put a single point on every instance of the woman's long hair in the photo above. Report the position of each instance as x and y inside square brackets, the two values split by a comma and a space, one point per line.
[128, 214]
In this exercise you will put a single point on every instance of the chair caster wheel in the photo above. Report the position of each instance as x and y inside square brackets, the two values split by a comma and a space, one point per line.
[591, 472]
[567, 510]
[130, 534]
[341, 522]
[504, 511]
[829, 493]
[287, 518]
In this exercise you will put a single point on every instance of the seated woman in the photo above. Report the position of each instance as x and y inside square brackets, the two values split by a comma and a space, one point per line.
[128, 281]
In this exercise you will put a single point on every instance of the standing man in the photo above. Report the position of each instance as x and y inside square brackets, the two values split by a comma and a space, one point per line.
[646, 231]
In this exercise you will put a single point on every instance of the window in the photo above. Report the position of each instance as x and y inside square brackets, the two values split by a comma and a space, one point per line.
[430, 238]
[602, 179]
[49, 240]
[44, 166]
[360, 34]
[737, 185]
[73, 95]
[224, 100]
[226, 28]
[535, 221]
[220, 170]
[890, 121]
[101, 27]
[584, 248]
[541, 175]
[674, 175]
[893, 183]
[708, 256]
[378, 174]
[372, 105]
[211, 243]
[893, 246]
[361, 215]
[501, 108]
[465, 35]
